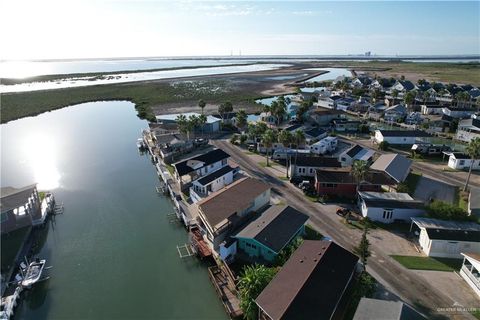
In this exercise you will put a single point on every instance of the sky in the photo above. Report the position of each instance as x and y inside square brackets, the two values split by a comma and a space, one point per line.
[50, 29]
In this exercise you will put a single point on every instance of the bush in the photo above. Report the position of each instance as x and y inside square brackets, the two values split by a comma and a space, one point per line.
[234, 139]
[243, 139]
[446, 211]
[403, 188]
[384, 145]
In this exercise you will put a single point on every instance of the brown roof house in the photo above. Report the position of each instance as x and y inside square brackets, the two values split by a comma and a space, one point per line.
[310, 285]
[224, 211]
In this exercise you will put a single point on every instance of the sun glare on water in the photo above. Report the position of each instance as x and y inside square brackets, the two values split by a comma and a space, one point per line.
[42, 158]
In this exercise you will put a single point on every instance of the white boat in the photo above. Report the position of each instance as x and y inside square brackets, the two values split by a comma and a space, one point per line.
[140, 143]
[33, 273]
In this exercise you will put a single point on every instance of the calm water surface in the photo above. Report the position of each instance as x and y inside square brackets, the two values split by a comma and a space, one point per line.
[113, 251]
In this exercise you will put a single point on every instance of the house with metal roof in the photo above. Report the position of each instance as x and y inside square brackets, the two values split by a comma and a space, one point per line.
[263, 238]
[402, 137]
[470, 270]
[446, 239]
[227, 209]
[393, 164]
[468, 129]
[374, 309]
[191, 169]
[354, 153]
[311, 285]
[212, 182]
[388, 207]
[212, 124]
[306, 165]
[339, 182]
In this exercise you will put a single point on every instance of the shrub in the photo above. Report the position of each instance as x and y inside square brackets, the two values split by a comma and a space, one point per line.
[234, 139]
[384, 145]
[446, 211]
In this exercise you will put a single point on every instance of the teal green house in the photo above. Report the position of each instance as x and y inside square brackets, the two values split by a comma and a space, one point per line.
[263, 238]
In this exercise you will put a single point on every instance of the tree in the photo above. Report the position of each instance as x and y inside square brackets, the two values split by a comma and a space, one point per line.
[202, 120]
[461, 98]
[409, 98]
[268, 138]
[286, 138]
[234, 139]
[182, 123]
[359, 170]
[201, 104]
[446, 211]
[225, 108]
[253, 280]
[473, 150]
[302, 110]
[299, 138]
[243, 139]
[384, 145]
[241, 119]
[394, 95]
[286, 252]
[363, 248]
[192, 123]
[279, 109]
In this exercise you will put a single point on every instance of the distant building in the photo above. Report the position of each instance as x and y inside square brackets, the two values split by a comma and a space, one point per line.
[373, 309]
[305, 166]
[446, 238]
[328, 144]
[346, 125]
[311, 285]
[264, 238]
[461, 161]
[212, 124]
[458, 113]
[395, 113]
[324, 117]
[402, 137]
[389, 207]
[315, 133]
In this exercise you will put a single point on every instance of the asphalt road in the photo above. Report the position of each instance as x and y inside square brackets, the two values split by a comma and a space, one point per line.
[403, 282]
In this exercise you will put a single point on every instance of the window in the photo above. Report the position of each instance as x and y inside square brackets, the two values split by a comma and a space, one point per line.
[311, 170]
[387, 214]
[462, 162]
[343, 159]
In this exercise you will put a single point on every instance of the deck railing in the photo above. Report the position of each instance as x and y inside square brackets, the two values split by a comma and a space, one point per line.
[471, 276]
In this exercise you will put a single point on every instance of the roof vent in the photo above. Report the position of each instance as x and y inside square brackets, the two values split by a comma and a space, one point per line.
[314, 260]
[301, 261]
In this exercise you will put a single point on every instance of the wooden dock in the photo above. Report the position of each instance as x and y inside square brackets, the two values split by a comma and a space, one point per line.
[227, 294]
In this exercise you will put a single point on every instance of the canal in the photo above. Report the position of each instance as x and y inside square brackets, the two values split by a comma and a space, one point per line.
[113, 251]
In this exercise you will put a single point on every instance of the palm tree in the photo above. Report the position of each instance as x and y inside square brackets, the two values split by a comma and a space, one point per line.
[241, 119]
[182, 125]
[225, 108]
[202, 120]
[462, 97]
[359, 170]
[268, 138]
[394, 95]
[192, 123]
[286, 138]
[473, 150]
[363, 248]
[253, 280]
[299, 138]
[201, 104]
[279, 109]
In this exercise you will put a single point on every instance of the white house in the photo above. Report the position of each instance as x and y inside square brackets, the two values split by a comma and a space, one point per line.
[356, 152]
[458, 113]
[389, 206]
[468, 129]
[446, 239]
[461, 161]
[212, 182]
[191, 169]
[431, 109]
[401, 136]
[470, 270]
[329, 101]
[307, 165]
[325, 145]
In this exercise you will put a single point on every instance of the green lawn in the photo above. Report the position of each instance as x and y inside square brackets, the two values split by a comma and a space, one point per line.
[428, 263]
[263, 164]
[170, 169]
[312, 234]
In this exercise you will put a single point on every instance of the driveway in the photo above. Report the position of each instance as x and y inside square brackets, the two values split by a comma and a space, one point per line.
[403, 282]
[428, 188]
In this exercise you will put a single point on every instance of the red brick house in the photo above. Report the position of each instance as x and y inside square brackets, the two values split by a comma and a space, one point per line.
[340, 182]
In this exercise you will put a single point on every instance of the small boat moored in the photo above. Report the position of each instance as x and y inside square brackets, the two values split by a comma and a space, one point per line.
[33, 272]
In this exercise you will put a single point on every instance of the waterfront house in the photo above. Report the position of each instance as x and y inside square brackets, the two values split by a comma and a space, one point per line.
[446, 238]
[355, 153]
[401, 137]
[212, 182]
[468, 129]
[346, 125]
[461, 161]
[212, 124]
[344, 104]
[306, 166]
[227, 209]
[431, 108]
[263, 238]
[389, 207]
[311, 285]
[340, 182]
[373, 309]
[413, 118]
[328, 102]
[189, 170]
[393, 164]
[402, 86]
[20, 207]
[170, 145]
[395, 113]
[324, 117]
[470, 270]
[328, 144]
[458, 113]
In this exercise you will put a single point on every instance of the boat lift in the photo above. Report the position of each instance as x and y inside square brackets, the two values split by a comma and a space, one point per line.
[185, 251]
